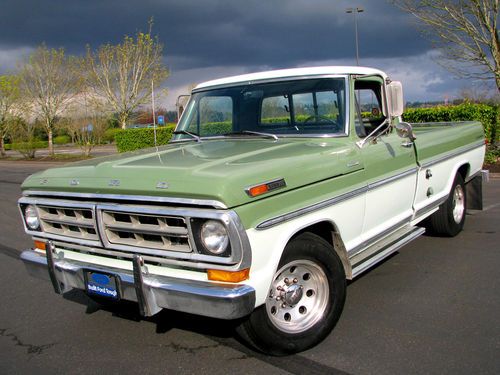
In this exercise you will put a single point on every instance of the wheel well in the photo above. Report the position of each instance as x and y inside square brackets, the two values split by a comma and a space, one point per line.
[323, 229]
[464, 171]
[329, 232]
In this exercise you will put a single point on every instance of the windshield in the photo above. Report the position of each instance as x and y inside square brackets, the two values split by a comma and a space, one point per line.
[290, 108]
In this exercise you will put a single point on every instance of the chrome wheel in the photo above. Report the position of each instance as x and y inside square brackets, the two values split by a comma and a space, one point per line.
[458, 204]
[298, 297]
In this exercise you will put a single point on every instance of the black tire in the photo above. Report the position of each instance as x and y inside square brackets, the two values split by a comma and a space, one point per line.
[450, 219]
[312, 300]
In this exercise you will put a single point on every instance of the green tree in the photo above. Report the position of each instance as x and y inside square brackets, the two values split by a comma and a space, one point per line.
[466, 32]
[9, 96]
[124, 74]
[49, 81]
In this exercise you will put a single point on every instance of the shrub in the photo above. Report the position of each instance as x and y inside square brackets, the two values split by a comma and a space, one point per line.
[62, 140]
[28, 149]
[488, 115]
[492, 154]
[109, 135]
[134, 139]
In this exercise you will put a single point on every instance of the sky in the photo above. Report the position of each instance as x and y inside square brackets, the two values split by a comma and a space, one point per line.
[209, 39]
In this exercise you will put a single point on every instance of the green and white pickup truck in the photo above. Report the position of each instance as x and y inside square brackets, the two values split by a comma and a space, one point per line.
[274, 191]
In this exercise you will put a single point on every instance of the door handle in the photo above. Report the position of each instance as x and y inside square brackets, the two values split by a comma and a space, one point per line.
[407, 144]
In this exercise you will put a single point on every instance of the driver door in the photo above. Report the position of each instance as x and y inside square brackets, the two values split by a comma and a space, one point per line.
[390, 168]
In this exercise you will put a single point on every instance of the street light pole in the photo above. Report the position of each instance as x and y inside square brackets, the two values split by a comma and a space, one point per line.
[355, 11]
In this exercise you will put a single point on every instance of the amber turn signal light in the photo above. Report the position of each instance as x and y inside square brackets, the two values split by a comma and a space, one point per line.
[266, 187]
[40, 245]
[228, 276]
[258, 190]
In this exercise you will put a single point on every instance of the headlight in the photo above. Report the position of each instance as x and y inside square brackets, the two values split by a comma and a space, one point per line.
[214, 236]
[31, 217]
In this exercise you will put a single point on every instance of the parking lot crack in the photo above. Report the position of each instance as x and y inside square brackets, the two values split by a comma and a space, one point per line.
[189, 349]
[31, 349]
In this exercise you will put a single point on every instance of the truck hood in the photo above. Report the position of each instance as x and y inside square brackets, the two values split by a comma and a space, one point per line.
[219, 169]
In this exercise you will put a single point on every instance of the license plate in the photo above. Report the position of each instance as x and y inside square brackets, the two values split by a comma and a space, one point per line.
[102, 284]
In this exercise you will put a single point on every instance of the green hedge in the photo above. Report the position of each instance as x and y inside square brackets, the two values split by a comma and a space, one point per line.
[216, 128]
[487, 114]
[134, 139]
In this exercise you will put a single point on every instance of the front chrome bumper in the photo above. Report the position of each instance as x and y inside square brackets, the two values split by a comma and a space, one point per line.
[151, 292]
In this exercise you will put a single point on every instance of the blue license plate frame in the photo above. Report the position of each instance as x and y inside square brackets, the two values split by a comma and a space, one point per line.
[102, 284]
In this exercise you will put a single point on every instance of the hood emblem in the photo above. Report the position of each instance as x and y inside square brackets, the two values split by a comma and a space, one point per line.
[44, 181]
[74, 182]
[114, 183]
[162, 185]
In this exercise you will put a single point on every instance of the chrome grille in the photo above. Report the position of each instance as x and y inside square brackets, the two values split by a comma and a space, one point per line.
[159, 232]
[73, 222]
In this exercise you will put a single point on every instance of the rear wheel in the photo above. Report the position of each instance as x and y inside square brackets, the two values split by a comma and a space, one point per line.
[304, 301]
[450, 219]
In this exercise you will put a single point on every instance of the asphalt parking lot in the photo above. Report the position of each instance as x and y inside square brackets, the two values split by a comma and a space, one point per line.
[432, 308]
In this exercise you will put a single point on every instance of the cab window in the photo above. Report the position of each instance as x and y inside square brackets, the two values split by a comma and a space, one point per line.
[368, 110]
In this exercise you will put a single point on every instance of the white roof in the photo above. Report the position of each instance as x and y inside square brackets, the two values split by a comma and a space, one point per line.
[290, 73]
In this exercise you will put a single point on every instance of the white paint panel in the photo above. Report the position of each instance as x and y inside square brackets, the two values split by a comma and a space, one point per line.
[268, 245]
[443, 174]
[388, 205]
[297, 72]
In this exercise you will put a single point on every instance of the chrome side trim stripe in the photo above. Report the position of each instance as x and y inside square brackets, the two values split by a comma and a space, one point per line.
[368, 243]
[335, 200]
[433, 206]
[371, 261]
[388, 180]
[451, 155]
[121, 197]
[314, 207]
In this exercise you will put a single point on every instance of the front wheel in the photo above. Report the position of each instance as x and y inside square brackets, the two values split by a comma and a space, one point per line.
[304, 301]
[450, 218]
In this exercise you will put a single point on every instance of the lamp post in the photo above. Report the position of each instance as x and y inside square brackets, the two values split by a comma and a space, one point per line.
[355, 11]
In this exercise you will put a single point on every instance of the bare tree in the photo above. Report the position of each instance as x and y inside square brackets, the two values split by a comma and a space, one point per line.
[86, 122]
[9, 95]
[124, 73]
[473, 94]
[465, 31]
[49, 80]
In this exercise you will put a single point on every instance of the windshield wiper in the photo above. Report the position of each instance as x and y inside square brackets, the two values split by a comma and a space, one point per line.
[249, 132]
[195, 136]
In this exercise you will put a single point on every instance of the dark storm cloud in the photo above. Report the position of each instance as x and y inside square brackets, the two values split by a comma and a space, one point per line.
[207, 39]
[199, 34]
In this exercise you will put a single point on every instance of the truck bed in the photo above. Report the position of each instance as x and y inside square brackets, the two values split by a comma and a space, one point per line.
[440, 139]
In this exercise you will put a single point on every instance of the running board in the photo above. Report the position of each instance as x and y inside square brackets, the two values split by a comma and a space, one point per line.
[385, 250]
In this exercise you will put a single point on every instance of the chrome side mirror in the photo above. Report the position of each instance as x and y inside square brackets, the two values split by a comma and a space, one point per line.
[395, 98]
[405, 130]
